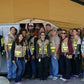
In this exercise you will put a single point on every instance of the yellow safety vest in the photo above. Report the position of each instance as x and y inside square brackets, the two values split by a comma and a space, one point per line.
[64, 46]
[31, 45]
[43, 46]
[20, 51]
[27, 47]
[74, 43]
[52, 45]
[10, 41]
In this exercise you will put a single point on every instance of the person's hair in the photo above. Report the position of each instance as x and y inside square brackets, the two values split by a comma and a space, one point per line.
[12, 27]
[75, 29]
[16, 31]
[64, 30]
[23, 30]
[37, 25]
[48, 25]
[43, 28]
[17, 40]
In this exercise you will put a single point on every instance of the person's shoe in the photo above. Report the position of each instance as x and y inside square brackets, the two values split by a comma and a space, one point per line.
[50, 77]
[54, 78]
[76, 76]
[63, 79]
[60, 78]
[82, 79]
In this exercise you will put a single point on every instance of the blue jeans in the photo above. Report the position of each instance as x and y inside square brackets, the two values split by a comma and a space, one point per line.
[20, 69]
[54, 67]
[33, 65]
[11, 68]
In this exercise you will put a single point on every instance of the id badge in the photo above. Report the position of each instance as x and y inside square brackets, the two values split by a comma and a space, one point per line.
[39, 60]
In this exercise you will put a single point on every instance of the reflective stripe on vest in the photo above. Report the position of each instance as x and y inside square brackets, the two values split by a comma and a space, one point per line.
[52, 47]
[65, 46]
[43, 46]
[20, 51]
[32, 47]
[9, 46]
[45, 50]
[17, 52]
[75, 44]
[10, 41]
[41, 50]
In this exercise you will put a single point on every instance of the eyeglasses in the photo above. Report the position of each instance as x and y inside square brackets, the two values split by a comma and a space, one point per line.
[42, 35]
[63, 33]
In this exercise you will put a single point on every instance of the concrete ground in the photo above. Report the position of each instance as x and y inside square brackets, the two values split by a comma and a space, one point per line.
[58, 81]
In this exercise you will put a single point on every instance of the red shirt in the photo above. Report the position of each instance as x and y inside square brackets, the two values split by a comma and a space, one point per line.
[36, 34]
[69, 47]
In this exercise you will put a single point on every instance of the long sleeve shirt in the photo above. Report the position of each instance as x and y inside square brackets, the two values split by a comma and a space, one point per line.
[69, 46]
[82, 46]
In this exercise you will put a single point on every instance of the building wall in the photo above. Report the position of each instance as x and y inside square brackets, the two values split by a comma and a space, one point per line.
[63, 13]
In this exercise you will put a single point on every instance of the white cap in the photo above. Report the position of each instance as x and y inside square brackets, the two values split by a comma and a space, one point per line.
[31, 24]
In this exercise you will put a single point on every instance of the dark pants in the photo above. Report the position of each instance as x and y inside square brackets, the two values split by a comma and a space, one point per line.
[65, 67]
[20, 69]
[31, 67]
[43, 66]
[28, 69]
[76, 65]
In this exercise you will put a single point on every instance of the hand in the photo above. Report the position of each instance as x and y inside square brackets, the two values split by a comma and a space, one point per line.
[28, 56]
[33, 57]
[7, 57]
[13, 61]
[55, 55]
[25, 61]
[82, 55]
[70, 56]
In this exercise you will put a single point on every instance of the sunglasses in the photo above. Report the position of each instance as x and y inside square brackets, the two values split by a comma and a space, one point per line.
[63, 33]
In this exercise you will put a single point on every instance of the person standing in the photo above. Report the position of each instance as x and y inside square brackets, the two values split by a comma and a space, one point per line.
[32, 53]
[48, 31]
[54, 46]
[19, 57]
[9, 39]
[82, 52]
[30, 28]
[37, 28]
[42, 55]
[66, 52]
[76, 60]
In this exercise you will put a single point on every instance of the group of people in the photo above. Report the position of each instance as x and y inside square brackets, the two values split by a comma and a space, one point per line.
[44, 53]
